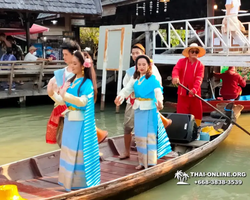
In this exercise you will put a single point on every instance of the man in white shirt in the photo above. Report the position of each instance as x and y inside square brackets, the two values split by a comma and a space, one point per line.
[137, 50]
[31, 56]
[232, 9]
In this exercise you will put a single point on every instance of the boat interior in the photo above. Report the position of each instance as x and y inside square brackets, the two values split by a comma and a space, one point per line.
[36, 177]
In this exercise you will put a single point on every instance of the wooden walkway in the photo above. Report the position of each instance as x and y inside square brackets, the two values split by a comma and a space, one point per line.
[34, 77]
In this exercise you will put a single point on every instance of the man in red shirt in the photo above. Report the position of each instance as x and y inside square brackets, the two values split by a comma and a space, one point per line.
[230, 84]
[189, 71]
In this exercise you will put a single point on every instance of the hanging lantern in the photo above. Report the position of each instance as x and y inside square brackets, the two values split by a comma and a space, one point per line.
[157, 6]
[150, 7]
[144, 9]
[165, 4]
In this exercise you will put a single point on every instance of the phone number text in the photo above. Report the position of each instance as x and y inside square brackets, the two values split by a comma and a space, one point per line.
[218, 182]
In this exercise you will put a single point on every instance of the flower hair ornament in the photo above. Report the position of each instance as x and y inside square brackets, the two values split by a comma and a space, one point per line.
[87, 63]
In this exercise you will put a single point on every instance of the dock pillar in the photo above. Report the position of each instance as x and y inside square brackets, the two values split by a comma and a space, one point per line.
[22, 101]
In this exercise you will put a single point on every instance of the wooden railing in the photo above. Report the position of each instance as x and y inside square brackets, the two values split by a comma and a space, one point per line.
[39, 71]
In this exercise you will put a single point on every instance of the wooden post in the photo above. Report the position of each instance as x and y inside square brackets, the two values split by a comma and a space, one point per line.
[148, 43]
[41, 76]
[104, 72]
[210, 40]
[119, 82]
[27, 30]
[22, 101]
[210, 10]
[11, 77]
[210, 13]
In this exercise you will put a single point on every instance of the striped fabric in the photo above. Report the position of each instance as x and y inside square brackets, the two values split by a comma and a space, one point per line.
[163, 144]
[91, 157]
[145, 129]
[79, 160]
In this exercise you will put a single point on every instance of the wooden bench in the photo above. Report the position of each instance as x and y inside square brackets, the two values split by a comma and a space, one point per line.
[37, 71]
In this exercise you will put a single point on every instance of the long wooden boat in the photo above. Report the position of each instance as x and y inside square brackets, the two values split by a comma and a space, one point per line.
[36, 177]
[244, 101]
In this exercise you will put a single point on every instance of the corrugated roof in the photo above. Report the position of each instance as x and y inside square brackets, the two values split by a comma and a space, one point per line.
[84, 7]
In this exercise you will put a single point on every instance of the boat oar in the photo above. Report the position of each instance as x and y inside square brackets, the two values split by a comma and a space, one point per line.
[232, 121]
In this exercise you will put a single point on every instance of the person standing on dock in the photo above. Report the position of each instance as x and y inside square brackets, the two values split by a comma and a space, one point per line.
[189, 71]
[79, 158]
[152, 141]
[232, 9]
[136, 51]
[31, 56]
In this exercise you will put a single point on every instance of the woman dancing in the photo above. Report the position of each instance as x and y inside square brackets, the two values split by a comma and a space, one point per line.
[151, 138]
[79, 159]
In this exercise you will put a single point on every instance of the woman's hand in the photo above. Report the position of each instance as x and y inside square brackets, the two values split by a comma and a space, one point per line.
[159, 105]
[118, 101]
[63, 90]
[52, 87]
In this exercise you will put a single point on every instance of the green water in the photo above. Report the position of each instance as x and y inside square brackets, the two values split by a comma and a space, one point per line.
[22, 130]
[22, 134]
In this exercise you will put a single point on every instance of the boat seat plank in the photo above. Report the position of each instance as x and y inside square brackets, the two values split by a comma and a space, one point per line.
[46, 164]
[195, 143]
[51, 178]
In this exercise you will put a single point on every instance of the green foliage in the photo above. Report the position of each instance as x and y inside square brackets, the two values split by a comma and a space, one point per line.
[90, 38]
[174, 39]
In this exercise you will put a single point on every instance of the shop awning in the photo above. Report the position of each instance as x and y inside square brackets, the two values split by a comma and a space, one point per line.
[33, 30]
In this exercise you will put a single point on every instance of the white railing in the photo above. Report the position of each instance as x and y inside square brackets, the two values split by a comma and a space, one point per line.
[210, 32]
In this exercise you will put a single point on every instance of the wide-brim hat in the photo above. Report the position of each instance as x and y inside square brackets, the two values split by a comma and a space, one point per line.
[201, 53]
[9, 192]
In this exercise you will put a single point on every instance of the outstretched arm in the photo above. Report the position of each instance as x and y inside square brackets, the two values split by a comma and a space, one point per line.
[125, 92]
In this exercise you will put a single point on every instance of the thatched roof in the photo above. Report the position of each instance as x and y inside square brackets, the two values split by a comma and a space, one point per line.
[81, 7]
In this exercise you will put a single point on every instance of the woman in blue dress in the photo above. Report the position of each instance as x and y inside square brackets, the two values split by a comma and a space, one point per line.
[152, 141]
[79, 159]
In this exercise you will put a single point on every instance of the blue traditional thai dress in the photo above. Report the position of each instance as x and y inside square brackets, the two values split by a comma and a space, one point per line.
[79, 159]
[152, 141]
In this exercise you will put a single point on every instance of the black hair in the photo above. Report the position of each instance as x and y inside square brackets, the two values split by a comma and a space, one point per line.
[10, 38]
[2, 34]
[137, 73]
[89, 72]
[71, 46]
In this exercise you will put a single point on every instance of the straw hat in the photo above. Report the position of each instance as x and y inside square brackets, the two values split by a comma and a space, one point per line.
[201, 53]
[9, 192]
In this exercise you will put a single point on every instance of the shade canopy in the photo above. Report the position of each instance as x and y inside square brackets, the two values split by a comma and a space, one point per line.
[33, 30]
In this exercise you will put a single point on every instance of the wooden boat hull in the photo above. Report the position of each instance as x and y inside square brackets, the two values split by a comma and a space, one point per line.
[34, 175]
[113, 188]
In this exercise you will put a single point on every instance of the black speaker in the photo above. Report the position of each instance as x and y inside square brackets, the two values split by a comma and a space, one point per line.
[183, 128]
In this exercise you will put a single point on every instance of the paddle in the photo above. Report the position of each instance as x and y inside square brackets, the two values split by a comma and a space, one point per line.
[233, 122]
